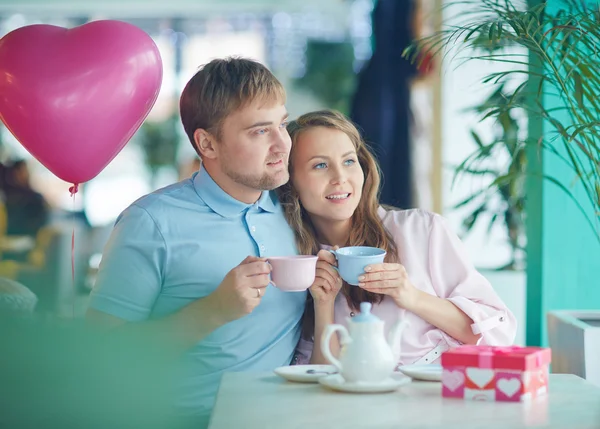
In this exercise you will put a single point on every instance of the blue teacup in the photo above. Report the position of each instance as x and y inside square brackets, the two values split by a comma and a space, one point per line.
[353, 260]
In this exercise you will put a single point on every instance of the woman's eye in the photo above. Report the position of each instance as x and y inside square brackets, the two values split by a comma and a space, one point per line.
[320, 165]
[349, 162]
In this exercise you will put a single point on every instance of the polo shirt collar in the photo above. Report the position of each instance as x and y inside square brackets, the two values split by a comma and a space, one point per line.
[221, 202]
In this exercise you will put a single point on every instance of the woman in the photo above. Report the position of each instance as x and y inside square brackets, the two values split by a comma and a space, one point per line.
[426, 278]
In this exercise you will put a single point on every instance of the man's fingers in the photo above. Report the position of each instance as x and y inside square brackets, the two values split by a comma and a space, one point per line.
[254, 268]
[249, 259]
[258, 282]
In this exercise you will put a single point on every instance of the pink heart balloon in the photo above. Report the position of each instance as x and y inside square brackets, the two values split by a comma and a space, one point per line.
[74, 97]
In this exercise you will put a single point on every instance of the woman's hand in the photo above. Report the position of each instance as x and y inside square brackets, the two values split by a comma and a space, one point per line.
[327, 282]
[392, 280]
[325, 288]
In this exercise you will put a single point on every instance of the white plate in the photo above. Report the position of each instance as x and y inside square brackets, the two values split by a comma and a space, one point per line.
[429, 372]
[305, 373]
[337, 382]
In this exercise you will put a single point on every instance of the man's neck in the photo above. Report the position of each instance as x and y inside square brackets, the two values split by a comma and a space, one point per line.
[235, 190]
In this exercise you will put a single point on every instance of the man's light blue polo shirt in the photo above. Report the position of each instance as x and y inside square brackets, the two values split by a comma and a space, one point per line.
[176, 245]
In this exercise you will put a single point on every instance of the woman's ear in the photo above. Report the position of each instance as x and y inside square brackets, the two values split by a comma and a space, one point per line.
[205, 143]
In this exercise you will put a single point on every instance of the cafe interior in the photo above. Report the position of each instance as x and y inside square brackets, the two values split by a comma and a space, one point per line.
[492, 131]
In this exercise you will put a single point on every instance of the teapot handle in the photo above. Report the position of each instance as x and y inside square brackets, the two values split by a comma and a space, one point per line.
[326, 339]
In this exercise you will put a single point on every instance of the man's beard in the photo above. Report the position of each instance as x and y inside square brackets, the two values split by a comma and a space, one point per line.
[265, 182]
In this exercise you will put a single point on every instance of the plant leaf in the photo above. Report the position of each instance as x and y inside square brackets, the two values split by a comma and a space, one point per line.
[578, 88]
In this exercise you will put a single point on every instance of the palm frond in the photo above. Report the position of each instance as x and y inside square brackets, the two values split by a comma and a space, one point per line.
[561, 61]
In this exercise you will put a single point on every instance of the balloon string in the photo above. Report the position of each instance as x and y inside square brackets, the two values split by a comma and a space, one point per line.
[73, 190]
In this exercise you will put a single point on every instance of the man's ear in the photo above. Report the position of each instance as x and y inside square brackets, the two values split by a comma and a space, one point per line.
[205, 143]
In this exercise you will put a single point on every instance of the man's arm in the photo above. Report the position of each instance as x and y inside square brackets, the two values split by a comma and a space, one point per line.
[178, 332]
[132, 271]
[239, 293]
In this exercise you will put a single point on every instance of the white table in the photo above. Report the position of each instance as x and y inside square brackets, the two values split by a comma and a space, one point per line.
[263, 400]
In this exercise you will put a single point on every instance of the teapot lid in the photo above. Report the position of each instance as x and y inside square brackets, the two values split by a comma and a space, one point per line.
[365, 314]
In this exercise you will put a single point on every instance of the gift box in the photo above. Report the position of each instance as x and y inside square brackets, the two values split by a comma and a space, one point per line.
[486, 373]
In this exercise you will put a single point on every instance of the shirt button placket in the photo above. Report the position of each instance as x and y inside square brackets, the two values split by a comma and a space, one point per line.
[251, 228]
[261, 247]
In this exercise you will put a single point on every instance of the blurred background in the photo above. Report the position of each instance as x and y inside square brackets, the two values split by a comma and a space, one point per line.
[423, 120]
[336, 54]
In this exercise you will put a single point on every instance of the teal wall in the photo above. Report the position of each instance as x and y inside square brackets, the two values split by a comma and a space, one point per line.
[563, 253]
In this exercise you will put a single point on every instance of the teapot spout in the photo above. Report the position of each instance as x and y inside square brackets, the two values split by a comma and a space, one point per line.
[395, 336]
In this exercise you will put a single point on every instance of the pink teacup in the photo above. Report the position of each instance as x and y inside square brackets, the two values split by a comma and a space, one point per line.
[293, 273]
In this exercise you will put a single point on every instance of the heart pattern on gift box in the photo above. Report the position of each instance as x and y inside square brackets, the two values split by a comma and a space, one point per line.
[488, 395]
[480, 376]
[453, 379]
[508, 386]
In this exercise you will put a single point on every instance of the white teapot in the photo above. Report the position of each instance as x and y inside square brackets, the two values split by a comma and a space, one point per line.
[366, 355]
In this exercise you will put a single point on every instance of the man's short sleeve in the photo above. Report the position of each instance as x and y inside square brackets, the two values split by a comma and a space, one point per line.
[132, 268]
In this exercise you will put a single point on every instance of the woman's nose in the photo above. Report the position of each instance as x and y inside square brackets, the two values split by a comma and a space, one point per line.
[338, 177]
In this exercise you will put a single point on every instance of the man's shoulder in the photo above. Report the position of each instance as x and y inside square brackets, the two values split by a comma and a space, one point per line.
[167, 202]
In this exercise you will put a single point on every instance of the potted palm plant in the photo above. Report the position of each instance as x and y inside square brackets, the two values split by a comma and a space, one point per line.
[559, 57]
[502, 161]
[565, 47]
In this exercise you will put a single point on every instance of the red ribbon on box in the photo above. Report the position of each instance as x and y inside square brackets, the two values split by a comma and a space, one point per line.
[508, 357]
[486, 353]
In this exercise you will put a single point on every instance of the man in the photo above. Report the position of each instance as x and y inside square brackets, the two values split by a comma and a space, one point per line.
[189, 261]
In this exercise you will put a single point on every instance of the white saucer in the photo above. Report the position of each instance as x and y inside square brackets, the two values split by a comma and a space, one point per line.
[300, 373]
[337, 382]
[429, 372]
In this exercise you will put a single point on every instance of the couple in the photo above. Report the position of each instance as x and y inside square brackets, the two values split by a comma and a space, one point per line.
[188, 262]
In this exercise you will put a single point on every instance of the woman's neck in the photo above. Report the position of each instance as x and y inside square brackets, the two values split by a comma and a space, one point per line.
[332, 232]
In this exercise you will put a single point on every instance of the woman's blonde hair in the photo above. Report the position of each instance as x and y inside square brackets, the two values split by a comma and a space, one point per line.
[367, 228]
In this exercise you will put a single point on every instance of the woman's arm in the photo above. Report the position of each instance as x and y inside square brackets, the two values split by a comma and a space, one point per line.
[465, 305]
[323, 317]
[456, 280]
[444, 315]
[324, 290]
[392, 280]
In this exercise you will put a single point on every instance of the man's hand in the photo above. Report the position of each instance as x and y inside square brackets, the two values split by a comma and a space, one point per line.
[241, 290]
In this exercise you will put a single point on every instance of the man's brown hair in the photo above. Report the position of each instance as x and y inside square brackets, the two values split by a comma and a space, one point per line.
[221, 87]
